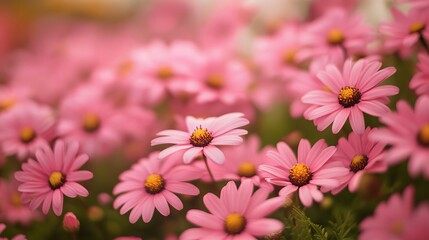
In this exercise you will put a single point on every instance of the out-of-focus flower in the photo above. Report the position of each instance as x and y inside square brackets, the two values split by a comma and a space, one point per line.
[11, 96]
[337, 32]
[404, 32]
[408, 133]
[420, 81]
[104, 198]
[11, 208]
[417, 226]
[305, 173]
[151, 184]
[350, 92]
[70, 222]
[202, 136]
[237, 214]
[360, 155]
[319, 7]
[95, 213]
[421, 4]
[53, 175]
[17, 237]
[26, 128]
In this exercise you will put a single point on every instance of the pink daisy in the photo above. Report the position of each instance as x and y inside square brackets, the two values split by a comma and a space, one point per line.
[361, 155]
[349, 94]
[237, 214]
[12, 209]
[305, 173]
[242, 162]
[53, 175]
[26, 128]
[151, 184]
[420, 81]
[337, 32]
[17, 237]
[417, 225]
[408, 133]
[405, 31]
[390, 218]
[203, 136]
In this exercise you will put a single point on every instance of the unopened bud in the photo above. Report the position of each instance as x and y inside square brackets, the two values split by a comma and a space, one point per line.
[70, 222]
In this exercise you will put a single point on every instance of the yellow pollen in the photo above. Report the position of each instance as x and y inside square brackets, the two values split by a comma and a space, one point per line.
[349, 96]
[326, 89]
[27, 134]
[56, 180]
[416, 27]
[335, 36]
[154, 183]
[125, 68]
[215, 81]
[91, 122]
[6, 104]
[289, 57]
[165, 73]
[423, 137]
[234, 223]
[247, 169]
[358, 163]
[397, 227]
[16, 199]
[200, 137]
[300, 174]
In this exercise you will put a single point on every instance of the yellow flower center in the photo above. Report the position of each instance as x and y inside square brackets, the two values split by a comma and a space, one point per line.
[15, 199]
[358, 163]
[27, 134]
[200, 137]
[91, 122]
[423, 136]
[416, 27]
[397, 227]
[335, 36]
[234, 223]
[215, 81]
[349, 96]
[289, 57]
[125, 68]
[165, 73]
[154, 183]
[56, 180]
[300, 174]
[6, 104]
[247, 169]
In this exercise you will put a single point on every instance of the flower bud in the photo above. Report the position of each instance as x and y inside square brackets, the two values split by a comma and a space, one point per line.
[70, 222]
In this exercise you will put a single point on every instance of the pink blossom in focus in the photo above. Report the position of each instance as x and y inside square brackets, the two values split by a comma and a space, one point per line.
[305, 173]
[350, 92]
[151, 184]
[360, 155]
[202, 136]
[420, 81]
[237, 214]
[52, 175]
[26, 128]
[407, 131]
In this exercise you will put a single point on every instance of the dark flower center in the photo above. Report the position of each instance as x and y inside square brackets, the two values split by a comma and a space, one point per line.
[56, 180]
[91, 122]
[358, 163]
[349, 96]
[200, 137]
[234, 223]
[300, 175]
[27, 134]
[154, 184]
[335, 36]
[423, 135]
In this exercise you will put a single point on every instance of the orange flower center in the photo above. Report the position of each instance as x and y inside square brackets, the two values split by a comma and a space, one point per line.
[300, 175]
[7, 103]
[154, 183]
[27, 134]
[56, 180]
[200, 137]
[215, 81]
[289, 57]
[358, 163]
[91, 122]
[234, 223]
[336, 36]
[125, 68]
[15, 199]
[349, 96]
[416, 27]
[423, 135]
[165, 73]
[247, 169]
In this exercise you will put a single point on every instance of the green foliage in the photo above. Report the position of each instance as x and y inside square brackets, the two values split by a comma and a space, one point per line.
[344, 225]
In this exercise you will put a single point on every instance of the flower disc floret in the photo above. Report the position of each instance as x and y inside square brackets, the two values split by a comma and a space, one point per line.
[300, 175]
[27, 134]
[201, 137]
[154, 183]
[234, 223]
[91, 122]
[358, 163]
[247, 169]
[423, 135]
[417, 27]
[349, 96]
[56, 180]
[335, 36]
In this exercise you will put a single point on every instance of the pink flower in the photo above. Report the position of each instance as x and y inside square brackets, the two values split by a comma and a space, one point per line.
[304, 174]
[242, 162]
[237, 214]
[337, 32]
[361, 155]
[12, 209]
[26, 128]
[390, 218]
[202, 137]
[70, 222]
[17, 237]
[351, 93]
[151, 184]
[417, 225]
[408, 133]
[54, 174]
[420, 81]
[405, 30]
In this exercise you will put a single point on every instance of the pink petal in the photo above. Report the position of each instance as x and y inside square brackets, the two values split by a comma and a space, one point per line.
[79, 176]
[170, 150]
[214, 154]
[305, 196]
[161, 204]
[57, 202]
[263, 226]
[214, 205]
[266, 208]
[190, 154]
[182, 188]
[173, 200]
[374, 108]
[382, 91]
[47, 203]
[286, 191]
[147, 211]
[340, 119]
[204, 219]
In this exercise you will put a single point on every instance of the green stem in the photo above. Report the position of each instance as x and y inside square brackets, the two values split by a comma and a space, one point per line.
[210, 172]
